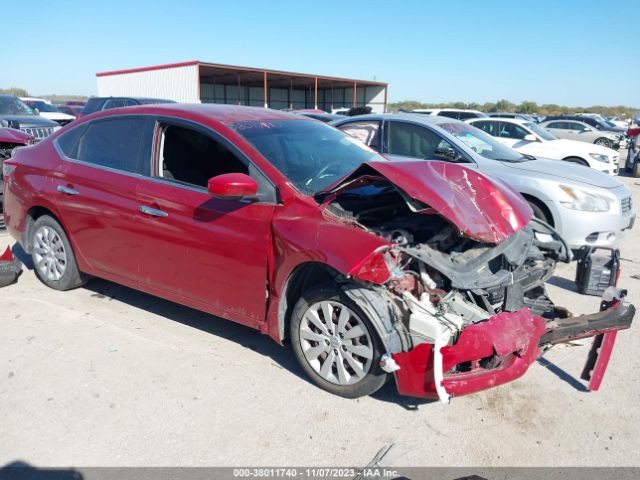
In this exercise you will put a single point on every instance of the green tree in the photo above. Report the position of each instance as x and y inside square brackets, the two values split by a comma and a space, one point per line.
[505, 106]
[528, 107]
[18, 92]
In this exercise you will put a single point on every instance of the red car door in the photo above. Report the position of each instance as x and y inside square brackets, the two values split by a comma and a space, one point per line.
[213, 253]
[96, 191]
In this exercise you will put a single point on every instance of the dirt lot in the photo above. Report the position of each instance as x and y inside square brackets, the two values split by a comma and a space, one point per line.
[105, 375]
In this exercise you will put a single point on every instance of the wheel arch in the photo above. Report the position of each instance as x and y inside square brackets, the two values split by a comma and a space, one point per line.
[32, 215]
[373, 300]
[540, 204]
[576, 159]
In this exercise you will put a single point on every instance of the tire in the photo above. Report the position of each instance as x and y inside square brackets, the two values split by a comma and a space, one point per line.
[636, 170]
[605, 142]
[538, 212]
[577, 160]
[307, 337]
[53, 259]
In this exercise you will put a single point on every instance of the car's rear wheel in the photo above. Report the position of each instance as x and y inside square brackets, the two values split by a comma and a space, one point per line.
[604, 142]
[335, 343]
[53, 259]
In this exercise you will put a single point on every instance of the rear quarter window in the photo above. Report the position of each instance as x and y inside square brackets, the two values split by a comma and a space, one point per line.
[68, 142]
[120, 143]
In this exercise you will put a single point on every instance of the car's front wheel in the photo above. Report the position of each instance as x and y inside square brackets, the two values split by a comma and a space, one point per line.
[604, 142]
[53, 259]
[636, 170]
[335, 343]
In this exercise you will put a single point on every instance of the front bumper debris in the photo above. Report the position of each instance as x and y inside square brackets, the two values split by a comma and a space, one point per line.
[501, 349]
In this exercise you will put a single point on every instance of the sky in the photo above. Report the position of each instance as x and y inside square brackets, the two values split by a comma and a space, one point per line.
[567, 52]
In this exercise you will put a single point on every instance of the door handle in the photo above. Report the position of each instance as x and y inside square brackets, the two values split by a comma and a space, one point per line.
[154, 212]
[67, 190]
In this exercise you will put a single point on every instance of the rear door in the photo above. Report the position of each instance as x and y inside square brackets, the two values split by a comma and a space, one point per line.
[558, 128]
[96, 190]
[212, 252]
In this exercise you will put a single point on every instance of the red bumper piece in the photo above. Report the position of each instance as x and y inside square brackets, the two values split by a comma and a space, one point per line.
[487, 354]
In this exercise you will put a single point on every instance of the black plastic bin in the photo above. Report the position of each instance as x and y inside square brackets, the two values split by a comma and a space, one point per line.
[595, 271]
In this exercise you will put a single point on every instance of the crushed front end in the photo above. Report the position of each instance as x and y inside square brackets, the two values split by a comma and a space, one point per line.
[471, 310]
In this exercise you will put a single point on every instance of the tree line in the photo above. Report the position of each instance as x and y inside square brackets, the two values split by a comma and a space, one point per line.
[523, 107]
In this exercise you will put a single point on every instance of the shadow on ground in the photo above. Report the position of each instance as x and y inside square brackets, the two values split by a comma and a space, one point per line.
[564, 283]
[563, 375]
[281, 357]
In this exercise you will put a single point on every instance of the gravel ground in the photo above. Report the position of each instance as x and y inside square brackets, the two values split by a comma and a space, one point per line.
[107, 376]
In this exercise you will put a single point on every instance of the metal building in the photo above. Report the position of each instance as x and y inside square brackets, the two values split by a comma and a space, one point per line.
[195, 81]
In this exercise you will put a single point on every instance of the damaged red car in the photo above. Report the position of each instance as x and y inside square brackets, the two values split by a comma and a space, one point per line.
[425, 271]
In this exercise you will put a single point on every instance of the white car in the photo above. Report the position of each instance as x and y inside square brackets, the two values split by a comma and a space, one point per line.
[457, 113]
[48, 110]
[530, 139]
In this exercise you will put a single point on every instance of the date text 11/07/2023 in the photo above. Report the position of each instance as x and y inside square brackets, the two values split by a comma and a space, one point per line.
[311, 472]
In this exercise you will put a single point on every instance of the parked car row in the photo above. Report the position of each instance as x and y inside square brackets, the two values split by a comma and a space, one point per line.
[533, 139]
[411, 251]
[585, 206]
[39, 117]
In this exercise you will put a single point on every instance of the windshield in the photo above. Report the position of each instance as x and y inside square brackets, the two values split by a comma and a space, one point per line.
[483, 143]
[41, 106]
[13, 106]
[310, 154]
[541, 132]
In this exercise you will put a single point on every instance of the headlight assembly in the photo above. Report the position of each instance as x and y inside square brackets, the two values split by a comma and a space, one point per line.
[584, 201]
[599, 157]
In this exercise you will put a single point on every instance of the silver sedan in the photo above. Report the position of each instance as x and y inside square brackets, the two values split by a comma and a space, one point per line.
[585, 206]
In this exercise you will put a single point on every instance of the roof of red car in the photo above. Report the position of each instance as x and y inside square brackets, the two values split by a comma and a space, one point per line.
[218, 112]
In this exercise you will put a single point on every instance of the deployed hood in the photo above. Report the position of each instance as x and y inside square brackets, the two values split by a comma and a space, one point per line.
[29, 121]
[570, 171]
[11, 135]
[480, 208]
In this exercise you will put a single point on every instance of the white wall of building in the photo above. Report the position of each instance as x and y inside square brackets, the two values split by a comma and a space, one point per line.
[177, 83]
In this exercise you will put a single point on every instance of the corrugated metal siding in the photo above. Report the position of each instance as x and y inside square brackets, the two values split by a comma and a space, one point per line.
[179, 84]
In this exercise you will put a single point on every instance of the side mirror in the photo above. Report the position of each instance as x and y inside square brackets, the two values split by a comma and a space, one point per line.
[530, 137]
[232, 186]
[36, 111]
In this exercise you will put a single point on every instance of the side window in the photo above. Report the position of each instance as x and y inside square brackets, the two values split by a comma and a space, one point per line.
[466, 115]
[409, 140]
[70, 141]
[117, 103]
[487, 127]
[511, 130]
[447, 114]
[574, 126]
[367, 132]
[559, 125]
[191, 157]
[120, 143]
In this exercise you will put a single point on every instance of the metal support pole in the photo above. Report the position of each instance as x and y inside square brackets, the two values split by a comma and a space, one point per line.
[266, 94]
[315, 95]
[355, 88]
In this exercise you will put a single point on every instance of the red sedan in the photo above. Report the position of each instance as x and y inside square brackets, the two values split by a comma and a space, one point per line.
[426, 271]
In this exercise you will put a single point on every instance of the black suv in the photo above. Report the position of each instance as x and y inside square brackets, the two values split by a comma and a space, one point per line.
[15, 114]
[97, 104]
